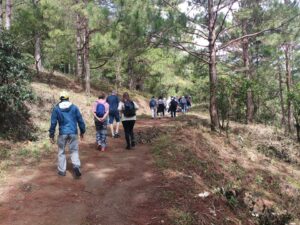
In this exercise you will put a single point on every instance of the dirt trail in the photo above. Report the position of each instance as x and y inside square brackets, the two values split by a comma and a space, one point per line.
[118, 187]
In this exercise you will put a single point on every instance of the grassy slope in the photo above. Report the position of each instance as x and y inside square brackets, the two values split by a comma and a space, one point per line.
[47, 88]
[248, 173]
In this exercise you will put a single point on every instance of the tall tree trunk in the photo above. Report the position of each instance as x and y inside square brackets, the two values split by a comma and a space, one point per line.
[131, 83]
[8, 14]
[130, 73]
[213, 110]
[37, 45]
[118, 72]
[1, 15]
[86, 60]
[37, 53]
[248, 74]
[78, 45]
[287, 53]
[283, 122]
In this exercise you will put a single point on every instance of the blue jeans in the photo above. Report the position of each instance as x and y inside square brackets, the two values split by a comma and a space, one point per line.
[62, 141]
[101, 132]
[183, 108]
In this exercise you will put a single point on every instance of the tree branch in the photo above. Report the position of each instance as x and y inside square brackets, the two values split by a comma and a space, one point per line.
[192, 53]
[257, 33]
[224, 19]
[97, 67]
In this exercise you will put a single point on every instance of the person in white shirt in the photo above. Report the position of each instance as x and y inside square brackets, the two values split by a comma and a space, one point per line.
[128, 108]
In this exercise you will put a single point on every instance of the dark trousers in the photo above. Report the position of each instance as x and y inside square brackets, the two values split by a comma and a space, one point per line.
[128, 129]
[173, 113]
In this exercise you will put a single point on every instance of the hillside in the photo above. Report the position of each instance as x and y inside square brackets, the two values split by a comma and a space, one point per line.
[179, 173]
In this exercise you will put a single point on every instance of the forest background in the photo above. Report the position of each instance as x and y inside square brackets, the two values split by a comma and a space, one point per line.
[237, 58]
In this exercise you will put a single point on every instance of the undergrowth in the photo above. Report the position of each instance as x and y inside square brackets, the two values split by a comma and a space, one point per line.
[183, 154]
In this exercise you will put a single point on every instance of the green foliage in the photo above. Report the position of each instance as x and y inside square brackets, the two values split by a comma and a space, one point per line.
[180, 217]
[14, 91]
[294, 95]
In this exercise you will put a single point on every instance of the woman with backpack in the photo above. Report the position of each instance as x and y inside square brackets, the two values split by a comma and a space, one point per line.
[100, 111]
[161, 107]
[128, 108]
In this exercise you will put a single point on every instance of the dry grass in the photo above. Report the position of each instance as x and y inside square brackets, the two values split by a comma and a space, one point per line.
[233, 163]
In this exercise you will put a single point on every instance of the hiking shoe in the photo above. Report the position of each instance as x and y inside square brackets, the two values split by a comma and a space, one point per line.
[60, 173]
[77, 172]
[99, 147]
[132, 144]
[127, 147]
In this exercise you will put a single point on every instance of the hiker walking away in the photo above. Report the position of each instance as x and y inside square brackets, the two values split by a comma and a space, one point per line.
[173, 107]
[161, 107]
[128, 108]
[165, 106]
[183, 104]
[168, 102]
[68, 116]
[188, 103]
[153, 105]
[100, 110]
[113, 101]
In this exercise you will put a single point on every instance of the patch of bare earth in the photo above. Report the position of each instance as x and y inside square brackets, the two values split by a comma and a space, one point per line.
[118, 187]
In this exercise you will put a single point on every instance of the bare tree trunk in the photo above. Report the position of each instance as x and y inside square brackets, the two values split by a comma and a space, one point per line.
[86, 62]
[8, 14]
[248, 74]
[37, 53]
[130, 73]
[131, 83]
[78, 45]
[1, 15]
[287, 52]
[213, 110]
[118, 73]
[283, 122]
[37, 45]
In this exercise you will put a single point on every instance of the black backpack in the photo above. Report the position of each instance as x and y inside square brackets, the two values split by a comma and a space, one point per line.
[129, 109]
[174, 103]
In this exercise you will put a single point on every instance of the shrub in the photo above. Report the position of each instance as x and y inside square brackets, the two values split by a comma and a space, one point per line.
[14, 91]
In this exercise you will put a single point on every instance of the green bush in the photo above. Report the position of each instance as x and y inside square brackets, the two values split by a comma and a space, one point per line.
[14, 91]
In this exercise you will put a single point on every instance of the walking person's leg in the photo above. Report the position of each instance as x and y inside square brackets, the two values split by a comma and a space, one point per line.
[127, 134]
[117, 127]
[153, 112]
[131, 125]
[98, 139]
[112, 129]
[75, 154]
[111, 124]
[62, 162]
[117, 118]
[103, 133]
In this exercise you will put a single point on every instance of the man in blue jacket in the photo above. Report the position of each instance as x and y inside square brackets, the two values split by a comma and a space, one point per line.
[113, 101]
[68, 116]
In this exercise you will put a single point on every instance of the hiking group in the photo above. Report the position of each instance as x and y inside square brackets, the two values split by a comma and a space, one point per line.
[105, 112]
[159, 106]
